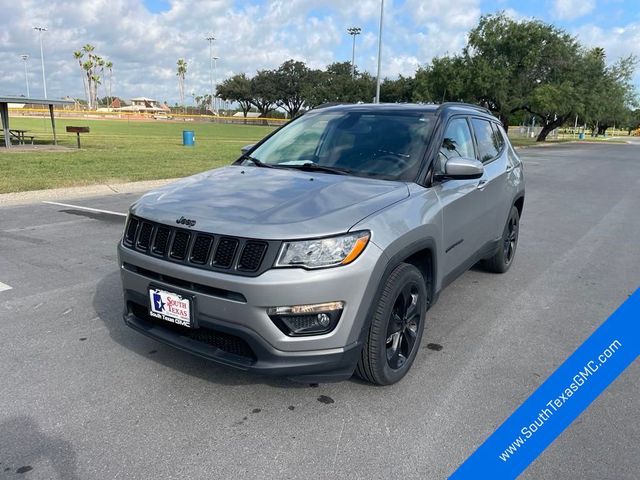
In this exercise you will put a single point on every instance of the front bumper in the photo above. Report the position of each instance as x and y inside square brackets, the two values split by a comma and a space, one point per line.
[233, 326]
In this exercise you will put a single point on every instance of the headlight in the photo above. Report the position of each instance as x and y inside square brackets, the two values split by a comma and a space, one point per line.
[323, 252]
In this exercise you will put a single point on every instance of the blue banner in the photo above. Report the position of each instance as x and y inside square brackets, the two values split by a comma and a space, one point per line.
[560, 399]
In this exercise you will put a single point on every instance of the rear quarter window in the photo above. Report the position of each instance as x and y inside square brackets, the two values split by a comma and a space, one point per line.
[498, 137]
[486, 140]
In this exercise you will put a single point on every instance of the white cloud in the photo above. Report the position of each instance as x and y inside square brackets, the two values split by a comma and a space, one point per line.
[572, 9]
[250, 35]
[458, 14]
[617, 41]
[440, 26]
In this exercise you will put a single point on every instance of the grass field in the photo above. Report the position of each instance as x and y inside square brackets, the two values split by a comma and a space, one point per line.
[120, 151]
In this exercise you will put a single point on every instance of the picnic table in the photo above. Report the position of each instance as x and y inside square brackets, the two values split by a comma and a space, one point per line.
[20, 135]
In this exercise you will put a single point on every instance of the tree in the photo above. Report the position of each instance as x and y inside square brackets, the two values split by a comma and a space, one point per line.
[510, 60]
[92, 67]
[336, 85]
[633, 120]
[78, 54]
[109, 66]
[264, 91]
[397, 91]
[236, 89]
[181, 74]
[611, 93]
[445, 79]
[291, 79]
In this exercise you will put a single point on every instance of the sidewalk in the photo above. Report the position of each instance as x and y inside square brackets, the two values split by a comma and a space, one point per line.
[68, 193]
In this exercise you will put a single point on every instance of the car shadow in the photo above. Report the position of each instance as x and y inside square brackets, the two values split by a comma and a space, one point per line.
[108, 304]
[23, 445]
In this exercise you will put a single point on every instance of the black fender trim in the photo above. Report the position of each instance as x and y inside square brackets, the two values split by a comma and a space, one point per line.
[394, 261]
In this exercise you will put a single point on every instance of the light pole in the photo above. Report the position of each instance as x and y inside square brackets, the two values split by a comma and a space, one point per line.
[215, 83]
[44, 80]
[353, 31]
[379, 52]
[210, 39]
[24, 58]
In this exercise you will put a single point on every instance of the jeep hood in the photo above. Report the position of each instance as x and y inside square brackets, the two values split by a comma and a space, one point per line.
[269, 203]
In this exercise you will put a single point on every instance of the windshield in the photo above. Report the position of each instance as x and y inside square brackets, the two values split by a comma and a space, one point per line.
[381, 145]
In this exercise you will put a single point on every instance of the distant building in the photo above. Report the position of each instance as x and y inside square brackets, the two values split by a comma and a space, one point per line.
[249, 115]
[143, 105]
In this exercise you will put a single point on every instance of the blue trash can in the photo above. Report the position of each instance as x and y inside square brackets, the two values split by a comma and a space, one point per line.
[188, 138]
[581, 136]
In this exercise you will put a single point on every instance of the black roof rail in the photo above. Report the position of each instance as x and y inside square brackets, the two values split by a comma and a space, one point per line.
[330, 104]
[467, 105]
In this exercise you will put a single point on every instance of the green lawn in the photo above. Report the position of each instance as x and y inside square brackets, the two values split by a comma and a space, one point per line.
[123, 150]
[120, 151]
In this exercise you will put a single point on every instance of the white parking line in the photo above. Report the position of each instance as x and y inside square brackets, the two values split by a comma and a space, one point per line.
[89, 209]
[4, 286]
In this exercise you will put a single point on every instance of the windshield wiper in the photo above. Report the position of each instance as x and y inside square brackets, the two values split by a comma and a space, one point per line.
[256, 162]
[314, 167]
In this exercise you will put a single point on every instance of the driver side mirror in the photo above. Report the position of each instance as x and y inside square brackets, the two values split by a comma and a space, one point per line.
[461, 168]
[246, 148]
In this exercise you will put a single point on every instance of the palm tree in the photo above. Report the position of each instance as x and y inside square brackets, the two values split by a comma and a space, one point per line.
[181, 74]
[99, 64]
[89, 67]
[96, 81]
[109, 66]
[78, 56]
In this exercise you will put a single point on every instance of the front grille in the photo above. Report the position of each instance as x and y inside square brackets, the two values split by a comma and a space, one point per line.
[252, 255]
[223, 341]
[201, 249]
[180, 245]
[161, 241]
[225, 252]
[130, 233]
[144, 238]
[239, 256]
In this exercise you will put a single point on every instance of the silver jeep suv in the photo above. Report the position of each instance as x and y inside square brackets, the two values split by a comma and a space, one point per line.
[318, 253]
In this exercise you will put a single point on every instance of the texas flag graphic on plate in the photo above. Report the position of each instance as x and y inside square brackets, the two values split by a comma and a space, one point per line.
[170, 307]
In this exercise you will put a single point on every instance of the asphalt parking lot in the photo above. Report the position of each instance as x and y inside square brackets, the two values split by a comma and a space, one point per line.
[84, 397]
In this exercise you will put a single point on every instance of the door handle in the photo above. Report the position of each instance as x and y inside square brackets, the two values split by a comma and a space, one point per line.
[510, 168]
[481, 184]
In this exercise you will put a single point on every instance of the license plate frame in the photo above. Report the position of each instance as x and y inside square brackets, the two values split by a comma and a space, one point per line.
[171, 306]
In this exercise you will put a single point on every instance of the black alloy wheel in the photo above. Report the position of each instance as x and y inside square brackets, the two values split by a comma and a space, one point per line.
[403, 326]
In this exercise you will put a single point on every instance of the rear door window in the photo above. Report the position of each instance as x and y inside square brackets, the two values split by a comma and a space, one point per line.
[486, 140]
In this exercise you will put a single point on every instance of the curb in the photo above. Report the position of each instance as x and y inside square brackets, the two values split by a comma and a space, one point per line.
[35, 196]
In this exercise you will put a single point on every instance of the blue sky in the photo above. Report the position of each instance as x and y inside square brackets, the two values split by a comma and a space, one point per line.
[144, 38]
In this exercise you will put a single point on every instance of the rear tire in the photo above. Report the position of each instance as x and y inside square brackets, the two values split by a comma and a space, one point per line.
[396, 329]
[503, 258]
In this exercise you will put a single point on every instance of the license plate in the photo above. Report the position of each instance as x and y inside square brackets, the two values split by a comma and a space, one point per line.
[170, 307]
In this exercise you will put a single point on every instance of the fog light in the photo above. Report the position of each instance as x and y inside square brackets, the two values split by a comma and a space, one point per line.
[324, 319]
[307, 319]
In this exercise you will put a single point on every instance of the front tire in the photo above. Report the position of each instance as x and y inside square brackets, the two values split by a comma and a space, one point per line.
[396, 329]
[503, 258]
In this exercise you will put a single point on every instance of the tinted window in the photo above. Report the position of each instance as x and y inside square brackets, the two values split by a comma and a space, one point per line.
[457, 141]
[498, 135]
[487, 148]
[387, 145]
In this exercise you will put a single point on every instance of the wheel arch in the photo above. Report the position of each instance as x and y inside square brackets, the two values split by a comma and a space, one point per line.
[421, 254]
[519, 203]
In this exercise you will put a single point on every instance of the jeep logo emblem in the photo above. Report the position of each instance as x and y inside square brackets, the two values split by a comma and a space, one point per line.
[186, 221]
